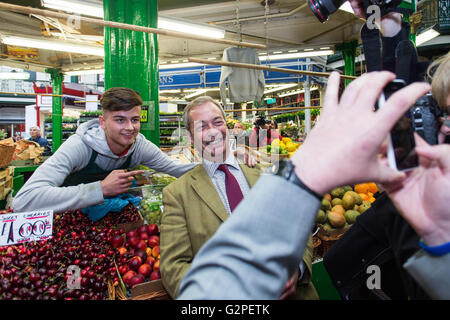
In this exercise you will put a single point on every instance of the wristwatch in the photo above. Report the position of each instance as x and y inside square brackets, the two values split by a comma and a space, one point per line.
[286, 170]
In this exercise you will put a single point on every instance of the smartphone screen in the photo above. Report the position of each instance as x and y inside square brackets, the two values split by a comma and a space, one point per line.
[401, 147]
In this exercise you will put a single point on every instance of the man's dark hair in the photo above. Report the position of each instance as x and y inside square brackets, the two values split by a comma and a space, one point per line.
[120, 99]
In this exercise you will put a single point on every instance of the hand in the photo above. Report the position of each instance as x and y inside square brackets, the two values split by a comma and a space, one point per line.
[290, 287]
[343, 146]
[423, 197]
[248, 158]
[118, 182]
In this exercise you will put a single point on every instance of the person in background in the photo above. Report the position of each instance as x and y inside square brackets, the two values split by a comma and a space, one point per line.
[263, 134]
[35, 133]
[199, 202]
[240, 134]
[254, 252]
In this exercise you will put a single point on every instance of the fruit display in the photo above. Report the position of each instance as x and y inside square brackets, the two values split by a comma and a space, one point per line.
[137, 256]
[284, 147]
[341, 207]
[40, 270]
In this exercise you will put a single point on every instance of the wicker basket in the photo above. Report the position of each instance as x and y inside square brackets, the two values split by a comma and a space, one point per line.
[317, 247]
[6, 155]
[329, 238]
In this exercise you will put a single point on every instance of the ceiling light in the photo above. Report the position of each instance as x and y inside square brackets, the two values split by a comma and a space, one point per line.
[297, 55]
[84, 72]
[180, 65]
[14, 75]
[292, 51]
[196, 93]
[95, 9]
[309, 49]
[277, 52]
[282, 87]
[324, 48]
[53, 45]
[426, 36]
[84, 7]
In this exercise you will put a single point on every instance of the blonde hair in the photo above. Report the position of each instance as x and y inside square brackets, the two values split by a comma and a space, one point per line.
[439, 73]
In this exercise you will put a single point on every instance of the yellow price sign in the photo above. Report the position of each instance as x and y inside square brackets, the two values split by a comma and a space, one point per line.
[144, 115]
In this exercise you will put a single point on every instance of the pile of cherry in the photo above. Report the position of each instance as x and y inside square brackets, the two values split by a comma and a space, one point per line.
[76, 263]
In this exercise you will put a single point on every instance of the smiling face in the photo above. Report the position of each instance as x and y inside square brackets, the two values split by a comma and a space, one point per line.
[209, 132]
[121, 128]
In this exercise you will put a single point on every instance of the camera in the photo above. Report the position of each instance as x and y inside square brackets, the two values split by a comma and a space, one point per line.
[323, 8]
[260, 121]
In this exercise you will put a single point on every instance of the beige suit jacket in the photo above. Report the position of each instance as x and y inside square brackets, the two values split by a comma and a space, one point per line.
[193, 211]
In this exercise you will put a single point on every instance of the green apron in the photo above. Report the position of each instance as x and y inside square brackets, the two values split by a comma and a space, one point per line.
[92, 172]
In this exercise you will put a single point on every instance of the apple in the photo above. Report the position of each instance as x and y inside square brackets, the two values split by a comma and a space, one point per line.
[138, 278]
[141, 245]
[117, 242]
[135, 263]
[142, 229]
[156, 266]
[141, 253]
[150, 261]
[144, 236]
[153, 241]
[127, 276]
[131, 233]
[145, 270]
[152, 229]
[133, 241]
[155, 252]
[155, 275]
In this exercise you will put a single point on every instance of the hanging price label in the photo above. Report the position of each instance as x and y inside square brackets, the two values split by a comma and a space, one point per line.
[24, 227]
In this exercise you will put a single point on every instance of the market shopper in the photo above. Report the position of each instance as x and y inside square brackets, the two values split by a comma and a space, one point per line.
[91, 165]
[35, 133]
[199, 202]
[254, 252]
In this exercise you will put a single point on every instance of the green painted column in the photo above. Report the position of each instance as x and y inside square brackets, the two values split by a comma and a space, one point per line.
[131, 57]
[57, 112]
[349, 54]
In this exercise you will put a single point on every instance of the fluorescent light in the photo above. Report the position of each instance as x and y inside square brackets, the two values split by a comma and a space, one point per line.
[282, 87]
[84, 72]
[277, 52]
[297, 55]
[96, 9]
[196, 93]
[309, 49]
[347, 7]
[292, 51]
[189, 27]
[180, 65]
[425, 36]
[14, 75]
[53, 45]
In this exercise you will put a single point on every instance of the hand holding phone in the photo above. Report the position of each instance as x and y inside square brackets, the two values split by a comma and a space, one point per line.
[401, 143]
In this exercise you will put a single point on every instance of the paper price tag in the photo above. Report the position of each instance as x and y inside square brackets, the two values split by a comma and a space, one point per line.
[26, 226]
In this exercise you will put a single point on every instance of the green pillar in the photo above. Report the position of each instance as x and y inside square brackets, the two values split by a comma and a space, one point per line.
[131, 57]
[349, 54]
[57, 112]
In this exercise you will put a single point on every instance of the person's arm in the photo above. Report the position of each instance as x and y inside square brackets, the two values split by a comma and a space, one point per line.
[42, 191]
[157, 160]
[176, 250]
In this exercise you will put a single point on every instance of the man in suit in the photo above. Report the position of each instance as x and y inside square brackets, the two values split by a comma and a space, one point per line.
[200, 201]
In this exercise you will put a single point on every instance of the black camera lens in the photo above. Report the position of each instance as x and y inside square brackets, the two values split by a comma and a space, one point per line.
[323, 8]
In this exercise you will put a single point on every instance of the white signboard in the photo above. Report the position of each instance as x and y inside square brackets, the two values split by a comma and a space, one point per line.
[44, 101]
[91, 102]
[24, 227]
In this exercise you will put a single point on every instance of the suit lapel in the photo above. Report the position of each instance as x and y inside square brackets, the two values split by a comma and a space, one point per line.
[251, 174]
[203, 186]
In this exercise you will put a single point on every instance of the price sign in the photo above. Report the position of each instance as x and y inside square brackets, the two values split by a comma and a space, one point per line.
[24, 227]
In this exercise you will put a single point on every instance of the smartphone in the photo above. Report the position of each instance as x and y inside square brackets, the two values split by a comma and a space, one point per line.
[401, 152]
